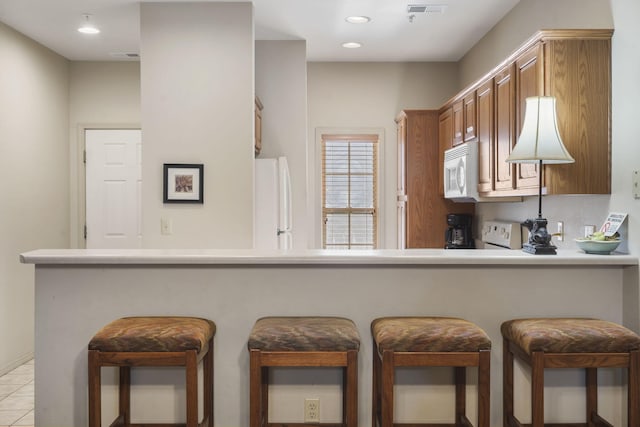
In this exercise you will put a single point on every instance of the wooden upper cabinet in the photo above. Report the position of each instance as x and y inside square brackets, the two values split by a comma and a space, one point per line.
[469, 117]
[504, 111]
[529, 82]
[574, 66]
[485, 137]
[458, 122]
[577, 71]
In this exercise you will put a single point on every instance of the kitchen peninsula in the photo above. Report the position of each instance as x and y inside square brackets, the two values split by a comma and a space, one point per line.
[78, 291]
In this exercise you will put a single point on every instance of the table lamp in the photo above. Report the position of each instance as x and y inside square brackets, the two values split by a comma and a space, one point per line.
[539, 142]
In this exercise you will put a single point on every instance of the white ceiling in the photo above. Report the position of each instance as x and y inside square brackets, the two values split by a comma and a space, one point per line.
[390, 36]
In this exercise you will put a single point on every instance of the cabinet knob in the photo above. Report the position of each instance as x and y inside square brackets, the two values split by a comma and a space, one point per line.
[470, 129]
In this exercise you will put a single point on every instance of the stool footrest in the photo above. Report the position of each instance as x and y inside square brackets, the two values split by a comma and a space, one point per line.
[304, 425]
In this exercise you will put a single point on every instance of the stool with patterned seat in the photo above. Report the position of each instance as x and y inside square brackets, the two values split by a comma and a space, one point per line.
[569, 343]
[302, 342]
[429, 342]
[153, 341]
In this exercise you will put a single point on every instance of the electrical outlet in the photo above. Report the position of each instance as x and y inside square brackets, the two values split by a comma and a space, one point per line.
[560, 231]
[312, 410]
[636, 184]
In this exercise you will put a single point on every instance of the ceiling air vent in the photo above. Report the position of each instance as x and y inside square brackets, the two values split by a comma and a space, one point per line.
[125, 55]
[431, 9]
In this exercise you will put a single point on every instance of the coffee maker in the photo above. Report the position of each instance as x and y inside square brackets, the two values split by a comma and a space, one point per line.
[458, 235]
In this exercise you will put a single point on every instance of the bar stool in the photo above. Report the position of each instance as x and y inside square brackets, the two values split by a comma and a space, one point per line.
[302, 342]
[153, 341]
[569, 343]
[429, 342]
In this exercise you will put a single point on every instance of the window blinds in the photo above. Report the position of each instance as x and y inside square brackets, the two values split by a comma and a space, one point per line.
[349, 191]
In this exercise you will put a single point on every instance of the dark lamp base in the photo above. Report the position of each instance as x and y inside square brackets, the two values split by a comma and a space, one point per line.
[539, 238]
[539, 249]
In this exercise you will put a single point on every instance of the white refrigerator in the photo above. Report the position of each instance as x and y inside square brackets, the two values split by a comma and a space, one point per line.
[272, 224]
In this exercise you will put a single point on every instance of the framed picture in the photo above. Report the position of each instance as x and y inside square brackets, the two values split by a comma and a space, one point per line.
[183, 183]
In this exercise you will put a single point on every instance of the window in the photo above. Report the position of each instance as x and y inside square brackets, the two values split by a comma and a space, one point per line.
[349, 191]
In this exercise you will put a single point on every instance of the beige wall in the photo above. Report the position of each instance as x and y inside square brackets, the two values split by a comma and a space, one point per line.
[527, 17]
[347, 95]
[34, 170]
[101, 95]
[197, 86]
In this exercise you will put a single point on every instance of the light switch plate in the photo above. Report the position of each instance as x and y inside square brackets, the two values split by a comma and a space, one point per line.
[636, 185]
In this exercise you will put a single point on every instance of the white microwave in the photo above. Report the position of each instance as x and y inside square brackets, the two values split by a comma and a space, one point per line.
[461, 173]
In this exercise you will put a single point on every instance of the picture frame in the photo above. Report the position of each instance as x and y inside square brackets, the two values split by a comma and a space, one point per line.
[183, 183]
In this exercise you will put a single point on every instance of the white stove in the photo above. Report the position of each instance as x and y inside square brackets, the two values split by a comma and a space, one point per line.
[501, 235]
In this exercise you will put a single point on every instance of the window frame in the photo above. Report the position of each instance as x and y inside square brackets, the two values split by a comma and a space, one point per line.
[376, 139]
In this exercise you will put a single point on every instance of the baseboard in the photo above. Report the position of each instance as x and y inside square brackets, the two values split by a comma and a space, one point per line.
[14, 364]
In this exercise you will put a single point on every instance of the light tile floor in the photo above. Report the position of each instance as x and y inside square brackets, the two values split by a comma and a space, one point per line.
[16, 396]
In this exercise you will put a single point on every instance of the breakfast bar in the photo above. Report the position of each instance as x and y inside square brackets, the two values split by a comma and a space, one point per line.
[79, 291]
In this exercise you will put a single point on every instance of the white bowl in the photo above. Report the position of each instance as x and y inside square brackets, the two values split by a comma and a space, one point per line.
[599, 247]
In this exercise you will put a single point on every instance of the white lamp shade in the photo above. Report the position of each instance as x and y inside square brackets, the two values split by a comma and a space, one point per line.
[540, 139]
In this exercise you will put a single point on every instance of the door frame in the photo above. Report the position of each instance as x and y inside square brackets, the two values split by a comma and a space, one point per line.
[79, 203]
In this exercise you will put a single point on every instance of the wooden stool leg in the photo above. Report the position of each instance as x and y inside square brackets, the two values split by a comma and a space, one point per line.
[350, 390]
[94, 389]
[264, 397]
[124, 398]
[387, 379]
[484, 389]
[461, 393]
[208, 384]
[537, 389]
[191, 369]
[375, 387]
[634, 389]
[592, 394]
[255, 389]
[507, 384]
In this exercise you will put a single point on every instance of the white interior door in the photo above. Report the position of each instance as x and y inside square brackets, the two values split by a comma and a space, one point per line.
[113, 188]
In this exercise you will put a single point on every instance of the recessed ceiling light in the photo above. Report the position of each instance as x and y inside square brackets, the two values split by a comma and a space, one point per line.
[357, 19]
[87, 27]
[352, 45]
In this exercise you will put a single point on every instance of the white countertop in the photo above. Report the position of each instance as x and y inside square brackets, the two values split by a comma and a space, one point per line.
[317, 257]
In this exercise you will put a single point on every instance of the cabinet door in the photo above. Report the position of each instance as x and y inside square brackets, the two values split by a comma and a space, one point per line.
[529, 81]
[578, 74]
[486, 144]
[458, 123]
[445, 138]
[505, 138]
[469, 117]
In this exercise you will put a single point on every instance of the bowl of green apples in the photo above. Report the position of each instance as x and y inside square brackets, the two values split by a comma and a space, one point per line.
[599, 244]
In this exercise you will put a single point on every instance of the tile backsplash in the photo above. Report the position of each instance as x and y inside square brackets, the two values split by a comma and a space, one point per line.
[575, 211]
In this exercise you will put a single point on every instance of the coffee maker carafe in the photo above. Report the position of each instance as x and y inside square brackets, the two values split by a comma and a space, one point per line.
[458, 235]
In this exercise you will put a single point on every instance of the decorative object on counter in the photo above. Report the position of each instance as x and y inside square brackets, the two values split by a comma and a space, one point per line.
[153, 341]
[311, 342]
[593, 245]
[574, 343]
[540, 143]
[183, 183]
[429, 342]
